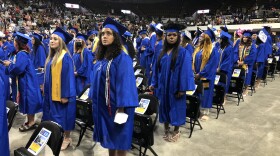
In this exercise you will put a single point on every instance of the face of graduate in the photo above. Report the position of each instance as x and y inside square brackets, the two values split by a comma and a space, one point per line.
[201, 38]
[33, 40]
[254, 36]
[245, 39]
[107, 37]
[172, 37]
[54, 41]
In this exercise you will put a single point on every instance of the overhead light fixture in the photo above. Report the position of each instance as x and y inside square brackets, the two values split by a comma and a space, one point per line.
[73, 6]
[126, 11]
[203, 11]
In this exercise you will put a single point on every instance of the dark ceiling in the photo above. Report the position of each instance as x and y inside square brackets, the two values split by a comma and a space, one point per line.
[162, 8]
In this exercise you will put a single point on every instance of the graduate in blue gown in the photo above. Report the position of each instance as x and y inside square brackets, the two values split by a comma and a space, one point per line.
[144, 50]
[138, 44]
[226, 56]
[83, 61]
[38, 56]
[59, 85]
[247, 53]
[158, 49]
[197, 34]
[7, 47]
[127, 41]
[186, 42]
[268, 43]
[172, 77]
[116, 95]
[72, 32]
[205, 63]
[151, 50]
[261, 57]
[4, 137]
[22, 71]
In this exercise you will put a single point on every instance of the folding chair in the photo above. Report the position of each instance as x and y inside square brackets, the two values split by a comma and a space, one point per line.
[272, 69]
[236, 85]
[193, 107]
[144, 124]
[84, 114]
[142, 87]
[253, 82]
[54, 142]
[265, 73]
[219, 93]
[13, 108]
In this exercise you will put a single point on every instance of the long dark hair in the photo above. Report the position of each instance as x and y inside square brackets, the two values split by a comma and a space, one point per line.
[111, 51]
[248, 43]
[166, 47]
[22, 46]
[224, 42]
[130, 49]
[36, 45]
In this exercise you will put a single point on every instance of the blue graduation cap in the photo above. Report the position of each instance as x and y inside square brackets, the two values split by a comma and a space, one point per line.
[225, 34]
[153, 26]
[173, 27]
[127, 34]
[114, 25]
[38, 36]
[198, 31]
[141, 32]
[187, 35]
[82, 36]
[210, 33]
[74, 29]
[22, 38]
[91, 32]
[247, 33]
[224, 28]
[63, 35]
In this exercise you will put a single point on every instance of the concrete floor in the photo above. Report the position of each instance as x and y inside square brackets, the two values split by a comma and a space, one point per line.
[253, 128]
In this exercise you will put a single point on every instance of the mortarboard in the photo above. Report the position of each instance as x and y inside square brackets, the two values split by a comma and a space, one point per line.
[262, 36]
[224, 28]
[225, 34]
[22, 37]
[114, 25]
[173, 27]
[198, 31]
[159, 27]
[127, 34]
[247, 33]
[210, 33]
[82, 36]
[38, 36]
[91, 32]
[63, 35]
[187, 35]
[141, 32]
[74, 29]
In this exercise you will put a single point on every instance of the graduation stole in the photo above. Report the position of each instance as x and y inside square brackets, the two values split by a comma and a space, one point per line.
[96, 41]
[56, 77]
[124, 49]
[221, 51]
[244, 51]
[107, 87]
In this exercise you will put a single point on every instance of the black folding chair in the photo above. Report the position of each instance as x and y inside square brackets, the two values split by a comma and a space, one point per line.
[84, 114]
[142, 87]
[144, 124]
[13, 108]
[219, 93]
[54, 142]
[272, 68]
[265, 73]
[253, 82]
[236, 85]
[193, 107]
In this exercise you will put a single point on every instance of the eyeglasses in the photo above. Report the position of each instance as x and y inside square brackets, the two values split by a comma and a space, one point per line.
[172, 34]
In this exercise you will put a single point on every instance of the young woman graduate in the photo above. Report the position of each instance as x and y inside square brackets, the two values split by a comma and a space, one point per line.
[144, 51]
[59, 85]
[226, 56]
[172, 76]
[4, 137]
[186, 41]
[205, 62]
[261, 57]
[22, 71]
[38, 56]
[83, 61]
[247, 53]
[113, 91]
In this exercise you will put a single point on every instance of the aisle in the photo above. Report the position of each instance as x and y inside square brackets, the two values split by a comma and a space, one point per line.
[253, 128]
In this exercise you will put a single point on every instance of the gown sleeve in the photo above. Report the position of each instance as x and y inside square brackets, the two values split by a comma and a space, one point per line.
[186, 80]
[41, 56]
[211, 66]
[67, 78]
[250, 59]
[19, 66]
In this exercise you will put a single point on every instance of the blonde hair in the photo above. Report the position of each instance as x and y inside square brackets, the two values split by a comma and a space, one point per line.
[206, 47]
[54, 53]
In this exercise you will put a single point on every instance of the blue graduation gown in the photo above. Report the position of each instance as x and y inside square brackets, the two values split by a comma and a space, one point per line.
[70, 47]
[138, 44]
[158, 49]
[250, 60]
[12, 58]
[169, 82]
[149, 56]
[226, 63]
[46, 44]
[8, 48]
[83, 69]
[30, 101]
[63, 114]
[208, 72]
[261, 60]
[143, 53]
[4, 137]
[123, 93]
[39, 59]
[5, 77]
[236, 50]
[190, 48]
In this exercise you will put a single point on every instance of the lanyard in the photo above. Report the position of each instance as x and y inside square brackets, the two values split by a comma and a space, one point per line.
[221, 51]
[107, 87]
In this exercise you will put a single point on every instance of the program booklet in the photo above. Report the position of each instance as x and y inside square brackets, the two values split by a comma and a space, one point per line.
[217, 79]
[39, 142]
[85, 95]
[137, 71]
[134, 64]
[192, 91]
[138, 81]
[143, 106]
[236, 72]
